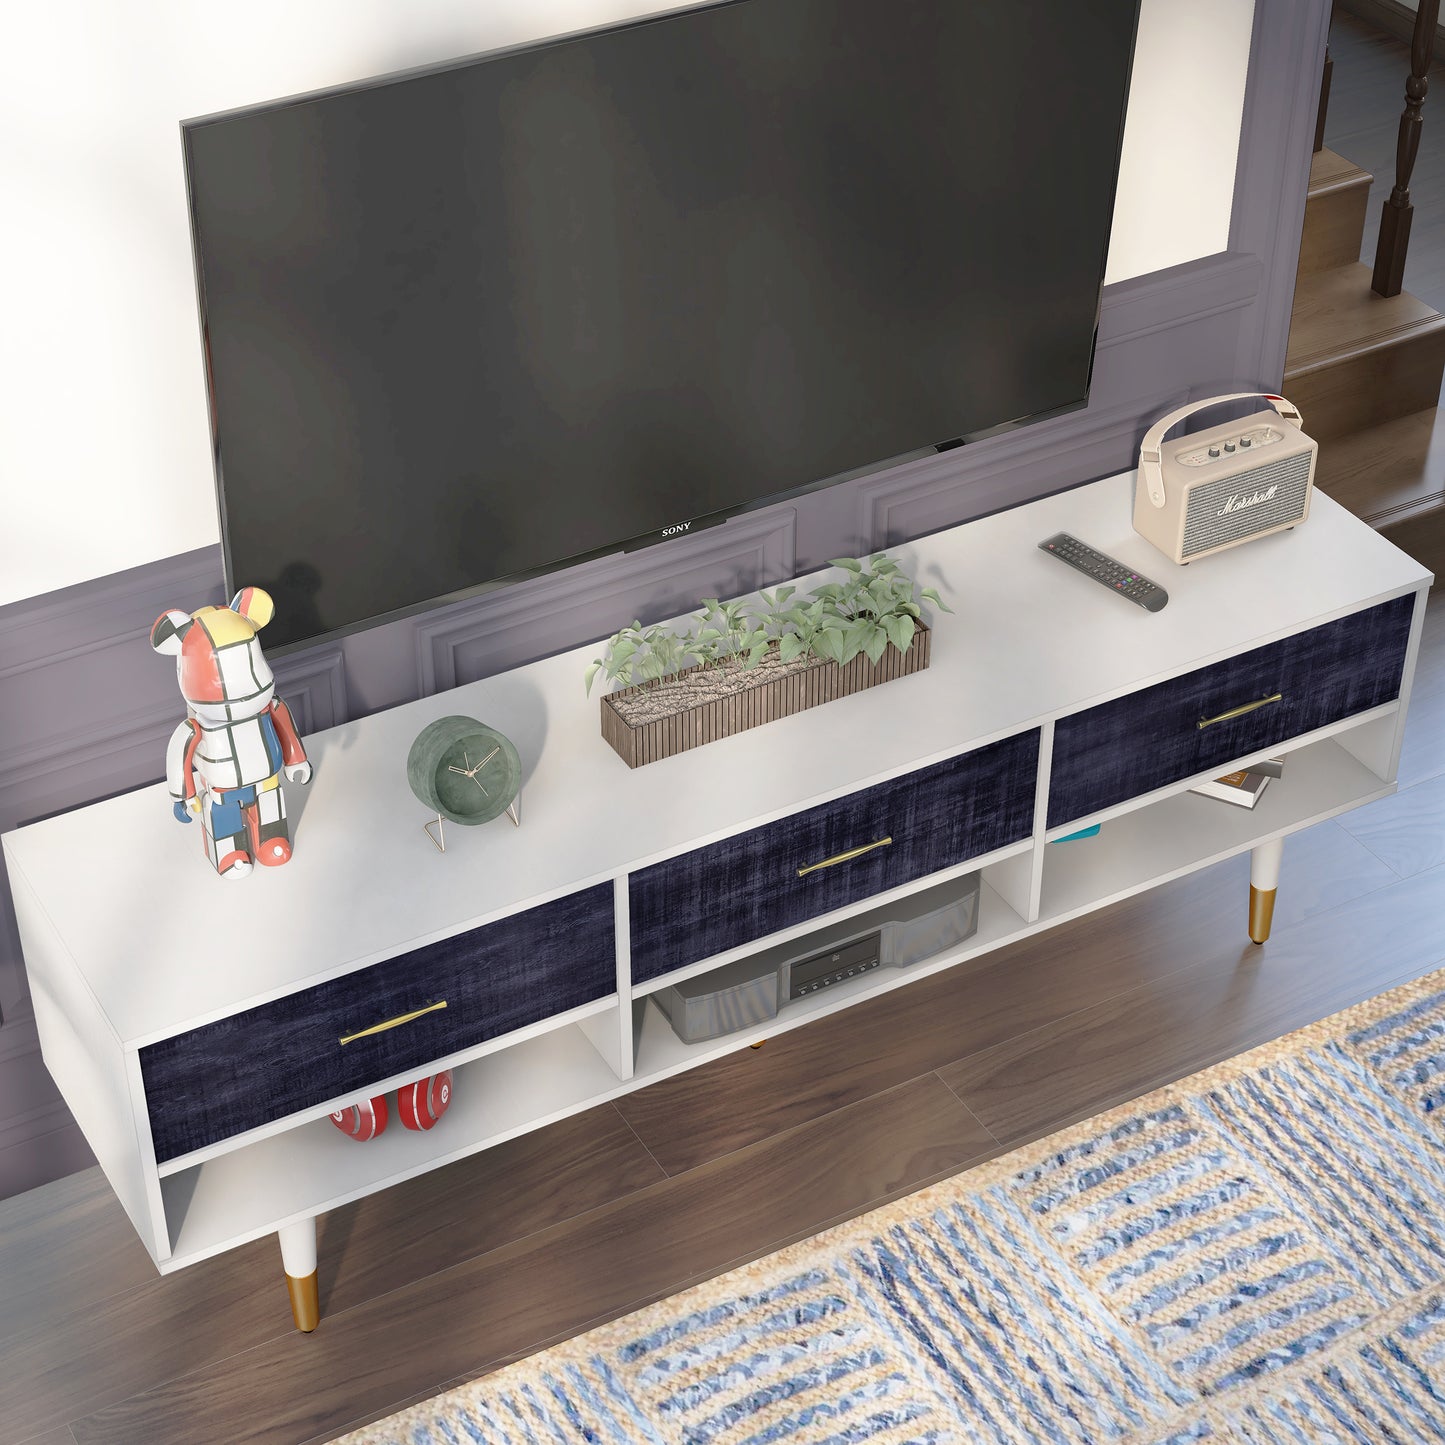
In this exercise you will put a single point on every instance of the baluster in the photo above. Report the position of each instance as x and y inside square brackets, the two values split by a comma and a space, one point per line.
[1398, 212]
[1329, 68]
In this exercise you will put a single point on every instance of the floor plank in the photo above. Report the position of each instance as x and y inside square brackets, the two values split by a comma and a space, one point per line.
[100, 1350]
[709, 1111]
[466, 1319]
[1124, 1046]
[1406, 831]
[65, 1248]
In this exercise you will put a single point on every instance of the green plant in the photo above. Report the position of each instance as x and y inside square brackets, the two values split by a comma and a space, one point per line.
[725, 633]
[616, 663]
[875, 604]
[639, 655]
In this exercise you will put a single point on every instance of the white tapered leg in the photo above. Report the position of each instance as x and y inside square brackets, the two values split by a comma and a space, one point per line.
[1263, 885]
[298, 1258]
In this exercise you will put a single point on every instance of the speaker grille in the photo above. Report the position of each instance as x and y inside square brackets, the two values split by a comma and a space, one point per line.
[1204, 528]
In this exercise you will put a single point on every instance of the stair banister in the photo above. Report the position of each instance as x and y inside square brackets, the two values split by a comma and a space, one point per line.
[1396, 216]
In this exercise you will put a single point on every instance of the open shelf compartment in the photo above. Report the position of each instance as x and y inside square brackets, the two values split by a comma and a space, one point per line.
[854, 914]
[1184, 831]
[600, 1010]
[311, 1167]
[660, 1052]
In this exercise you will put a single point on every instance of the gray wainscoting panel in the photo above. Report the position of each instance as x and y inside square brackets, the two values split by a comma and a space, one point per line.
[86, 707]
[468, 640]
[1281, 101]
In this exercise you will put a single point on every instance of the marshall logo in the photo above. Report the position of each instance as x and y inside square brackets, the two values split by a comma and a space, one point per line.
[673, 531]
[1239, 501]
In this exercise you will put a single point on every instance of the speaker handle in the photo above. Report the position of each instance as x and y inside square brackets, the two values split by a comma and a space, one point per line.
[1151, 468]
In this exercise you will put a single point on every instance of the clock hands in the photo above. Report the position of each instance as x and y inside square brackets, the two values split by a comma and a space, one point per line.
[471, 771]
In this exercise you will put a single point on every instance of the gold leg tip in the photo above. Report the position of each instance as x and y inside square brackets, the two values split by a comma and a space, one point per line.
[1261, 912]
[305, 1303]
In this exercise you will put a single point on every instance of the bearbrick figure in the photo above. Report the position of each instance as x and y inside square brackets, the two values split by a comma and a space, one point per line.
[225, 761]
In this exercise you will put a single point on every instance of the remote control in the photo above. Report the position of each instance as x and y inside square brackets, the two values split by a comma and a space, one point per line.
[1106, 571]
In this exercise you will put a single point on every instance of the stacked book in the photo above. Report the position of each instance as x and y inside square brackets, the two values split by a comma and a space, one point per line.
[1244, 787]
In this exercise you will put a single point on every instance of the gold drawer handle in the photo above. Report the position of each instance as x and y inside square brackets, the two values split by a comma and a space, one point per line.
[392, 1023]
[843, 857]
[1240, 711]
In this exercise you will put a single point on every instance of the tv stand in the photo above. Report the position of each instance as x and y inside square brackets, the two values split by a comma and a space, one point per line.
[192, 1024]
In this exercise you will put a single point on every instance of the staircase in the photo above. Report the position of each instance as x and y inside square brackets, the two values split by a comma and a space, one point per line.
[1365, 372]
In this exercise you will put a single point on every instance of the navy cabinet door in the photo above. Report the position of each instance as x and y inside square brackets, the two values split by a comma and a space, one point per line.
[1151, 738]
[239, 1073]
[748, 886]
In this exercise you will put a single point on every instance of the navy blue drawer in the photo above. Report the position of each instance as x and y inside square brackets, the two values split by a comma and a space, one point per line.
[1151, 738]
[239, 1073]
[747, 887]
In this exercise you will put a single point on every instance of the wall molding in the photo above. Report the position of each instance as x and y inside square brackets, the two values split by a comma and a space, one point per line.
[1271, 179]
[1177, 296]
[64, 625]
[462, 642]
[313, 686]
[937, 492]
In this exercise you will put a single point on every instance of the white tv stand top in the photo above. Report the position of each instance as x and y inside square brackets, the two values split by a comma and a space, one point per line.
[1029, 640]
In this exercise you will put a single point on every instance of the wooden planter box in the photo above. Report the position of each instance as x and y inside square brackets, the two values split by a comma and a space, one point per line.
[761, 701]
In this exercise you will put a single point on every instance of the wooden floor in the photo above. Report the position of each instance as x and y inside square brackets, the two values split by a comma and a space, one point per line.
[440, 1280]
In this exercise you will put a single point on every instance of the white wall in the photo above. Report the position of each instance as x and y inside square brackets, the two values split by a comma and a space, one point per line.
[104, 448]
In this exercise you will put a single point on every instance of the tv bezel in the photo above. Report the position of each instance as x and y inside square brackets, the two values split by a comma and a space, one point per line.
[638, 541]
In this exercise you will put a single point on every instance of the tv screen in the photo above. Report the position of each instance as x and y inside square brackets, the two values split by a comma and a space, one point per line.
[468, 324]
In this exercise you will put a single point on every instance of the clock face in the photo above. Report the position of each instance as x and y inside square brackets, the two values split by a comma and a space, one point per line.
[466, 771]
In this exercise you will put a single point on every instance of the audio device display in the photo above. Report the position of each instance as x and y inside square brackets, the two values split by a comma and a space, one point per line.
[751, 990]
[1215, 489]
[833, 965]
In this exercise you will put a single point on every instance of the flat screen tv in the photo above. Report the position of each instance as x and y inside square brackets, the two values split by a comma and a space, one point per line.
[467, 324]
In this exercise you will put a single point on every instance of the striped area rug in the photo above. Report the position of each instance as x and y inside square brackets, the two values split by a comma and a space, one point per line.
[1255, 1255]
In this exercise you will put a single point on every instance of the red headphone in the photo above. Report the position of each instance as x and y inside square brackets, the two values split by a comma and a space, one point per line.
[419, 1104]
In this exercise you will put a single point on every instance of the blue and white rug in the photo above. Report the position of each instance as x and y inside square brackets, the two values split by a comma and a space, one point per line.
[1254, 1255]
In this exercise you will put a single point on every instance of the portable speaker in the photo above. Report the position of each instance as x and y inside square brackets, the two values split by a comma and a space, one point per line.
[1216, 489]
[722, 1000]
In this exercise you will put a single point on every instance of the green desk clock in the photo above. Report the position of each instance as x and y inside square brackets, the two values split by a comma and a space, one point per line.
[464, 772]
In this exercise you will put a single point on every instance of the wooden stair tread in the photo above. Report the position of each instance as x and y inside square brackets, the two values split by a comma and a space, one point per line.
[1337, 316]
[1332, 172]
[1389, 472]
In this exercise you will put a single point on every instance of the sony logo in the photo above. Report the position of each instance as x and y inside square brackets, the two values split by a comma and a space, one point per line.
[1239, 501]
[673, 531]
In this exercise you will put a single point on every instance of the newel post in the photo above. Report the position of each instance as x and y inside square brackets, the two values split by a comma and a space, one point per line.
[1395, 219]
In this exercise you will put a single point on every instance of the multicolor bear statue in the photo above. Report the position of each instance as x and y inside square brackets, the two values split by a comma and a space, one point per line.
[224, 762]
